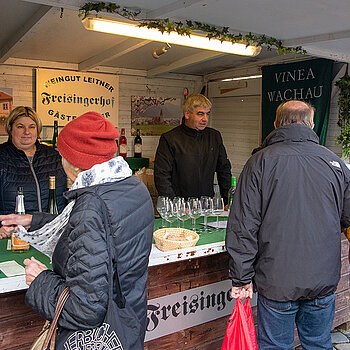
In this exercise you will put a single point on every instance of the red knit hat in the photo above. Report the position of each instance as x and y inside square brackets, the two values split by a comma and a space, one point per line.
[88, 140]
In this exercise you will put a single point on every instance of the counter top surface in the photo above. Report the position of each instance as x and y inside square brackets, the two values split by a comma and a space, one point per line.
[212, 242]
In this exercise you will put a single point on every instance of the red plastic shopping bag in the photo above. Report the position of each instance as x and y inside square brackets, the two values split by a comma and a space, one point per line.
[240, 331]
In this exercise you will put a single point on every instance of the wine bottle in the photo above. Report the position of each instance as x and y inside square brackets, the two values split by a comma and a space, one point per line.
[17, 245]
[138, 145]
[122, 144]
[231, 192]
[52, 203]
[55, 133]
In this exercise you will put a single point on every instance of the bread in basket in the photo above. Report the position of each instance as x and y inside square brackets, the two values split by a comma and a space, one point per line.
[174, 238]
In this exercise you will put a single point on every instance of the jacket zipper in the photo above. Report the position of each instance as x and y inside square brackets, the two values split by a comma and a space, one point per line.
[37, 185]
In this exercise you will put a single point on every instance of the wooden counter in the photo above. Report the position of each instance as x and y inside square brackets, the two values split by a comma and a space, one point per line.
[180, 284]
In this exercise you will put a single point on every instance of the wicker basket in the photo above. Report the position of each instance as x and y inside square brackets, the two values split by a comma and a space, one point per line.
[188, 238]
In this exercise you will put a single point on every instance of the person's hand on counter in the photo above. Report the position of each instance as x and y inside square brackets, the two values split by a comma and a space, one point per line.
[33, 268]
[9, 223]
[243, 292]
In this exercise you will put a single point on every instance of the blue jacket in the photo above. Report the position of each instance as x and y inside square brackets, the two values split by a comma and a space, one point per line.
[80, 259]
[16, 170]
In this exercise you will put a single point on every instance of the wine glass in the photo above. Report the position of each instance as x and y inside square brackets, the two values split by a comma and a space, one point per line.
[182, 210]
[170, 212]
[176, 201]
[218, 208]
[195, 210]
[207, 209]
[161, 207]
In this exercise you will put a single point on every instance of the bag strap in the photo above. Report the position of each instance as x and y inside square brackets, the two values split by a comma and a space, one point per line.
[113, 276]
[51, 334]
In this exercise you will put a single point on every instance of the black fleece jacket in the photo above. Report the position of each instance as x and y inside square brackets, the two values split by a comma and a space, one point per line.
[186, 162]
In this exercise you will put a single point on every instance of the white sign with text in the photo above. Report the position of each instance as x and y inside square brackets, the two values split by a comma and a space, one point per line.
[175, 312]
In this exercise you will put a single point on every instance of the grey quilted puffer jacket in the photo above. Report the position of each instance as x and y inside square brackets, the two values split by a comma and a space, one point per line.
[80, 258]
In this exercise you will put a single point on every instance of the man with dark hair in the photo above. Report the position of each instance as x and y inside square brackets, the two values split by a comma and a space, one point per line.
[188, 156]
[284, 232]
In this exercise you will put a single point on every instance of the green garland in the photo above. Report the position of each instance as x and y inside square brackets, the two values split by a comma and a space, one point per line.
[344, 114]
[212, 32]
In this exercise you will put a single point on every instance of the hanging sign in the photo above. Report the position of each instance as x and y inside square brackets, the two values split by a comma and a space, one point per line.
[178, 311]
[309, 81]
[64, 95]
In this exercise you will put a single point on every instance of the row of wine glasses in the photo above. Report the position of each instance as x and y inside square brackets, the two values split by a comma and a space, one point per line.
[193, 208]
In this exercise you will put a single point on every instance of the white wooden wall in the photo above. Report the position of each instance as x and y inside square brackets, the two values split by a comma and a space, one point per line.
[21, 78]
[236, 113]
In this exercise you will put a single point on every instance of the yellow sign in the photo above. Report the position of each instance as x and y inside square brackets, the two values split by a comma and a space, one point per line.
[64, 95]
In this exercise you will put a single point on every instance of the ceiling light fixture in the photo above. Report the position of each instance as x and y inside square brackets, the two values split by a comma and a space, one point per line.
[161, 51]
[131, 28]
[243, 78]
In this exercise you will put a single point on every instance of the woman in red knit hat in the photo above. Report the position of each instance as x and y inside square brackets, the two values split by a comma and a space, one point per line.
[100, 241]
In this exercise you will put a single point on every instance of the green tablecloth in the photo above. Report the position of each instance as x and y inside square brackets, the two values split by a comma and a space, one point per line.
[137, 163]
[7, 255]
[212, 236]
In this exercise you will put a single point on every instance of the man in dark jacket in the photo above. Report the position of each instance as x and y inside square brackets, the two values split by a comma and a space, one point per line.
[284, 232]
[188, 156]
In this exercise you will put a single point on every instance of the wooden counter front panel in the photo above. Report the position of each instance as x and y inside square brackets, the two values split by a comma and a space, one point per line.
[176, 277]
[19, 325]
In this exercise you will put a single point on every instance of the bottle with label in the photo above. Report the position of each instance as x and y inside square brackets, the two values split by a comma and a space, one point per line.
[138, 145]
[231, 191]
[52, 203]
[122, 144]
[55, 133]
[17, 245]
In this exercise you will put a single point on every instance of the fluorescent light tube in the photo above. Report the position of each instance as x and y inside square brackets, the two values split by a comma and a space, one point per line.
[129, 28]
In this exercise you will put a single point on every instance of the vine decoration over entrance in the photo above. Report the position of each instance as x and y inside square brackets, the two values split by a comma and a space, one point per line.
[187, 27]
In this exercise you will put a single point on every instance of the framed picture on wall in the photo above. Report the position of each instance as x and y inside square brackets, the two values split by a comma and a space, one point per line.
[6, 102]
[154, 115]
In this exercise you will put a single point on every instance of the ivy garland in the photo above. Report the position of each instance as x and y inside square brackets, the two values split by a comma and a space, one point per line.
[212, 32]
[344, 114]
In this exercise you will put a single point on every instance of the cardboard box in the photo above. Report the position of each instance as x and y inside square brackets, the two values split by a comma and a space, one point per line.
[147, 177]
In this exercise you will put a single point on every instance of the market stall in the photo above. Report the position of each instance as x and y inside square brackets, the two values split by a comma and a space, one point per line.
[188, 296]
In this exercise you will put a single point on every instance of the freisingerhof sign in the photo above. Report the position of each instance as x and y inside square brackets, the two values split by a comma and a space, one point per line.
[175, 312]
[64, 95]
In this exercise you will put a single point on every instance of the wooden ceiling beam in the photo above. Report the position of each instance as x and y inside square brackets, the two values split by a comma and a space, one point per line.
[184, 62]
[119, 50]
[26, 31]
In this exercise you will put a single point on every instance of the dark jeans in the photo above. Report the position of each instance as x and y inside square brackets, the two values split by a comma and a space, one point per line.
[313, 318]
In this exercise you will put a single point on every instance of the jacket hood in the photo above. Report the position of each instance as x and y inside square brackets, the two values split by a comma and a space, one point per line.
[292, 132]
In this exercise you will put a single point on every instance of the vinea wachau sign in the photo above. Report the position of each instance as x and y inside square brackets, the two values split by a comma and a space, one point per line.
[308, 81]
[64, 95]
[172, 313]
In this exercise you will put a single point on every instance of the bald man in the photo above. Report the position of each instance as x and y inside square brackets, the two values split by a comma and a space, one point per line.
[283, 238]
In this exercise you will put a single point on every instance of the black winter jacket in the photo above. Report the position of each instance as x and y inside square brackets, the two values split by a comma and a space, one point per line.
[284, 228]
[80, 259]
[16, 170]
[186, 161]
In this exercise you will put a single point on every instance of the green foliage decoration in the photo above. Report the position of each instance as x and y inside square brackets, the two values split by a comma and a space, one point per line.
[344, 114]
[211, 32]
